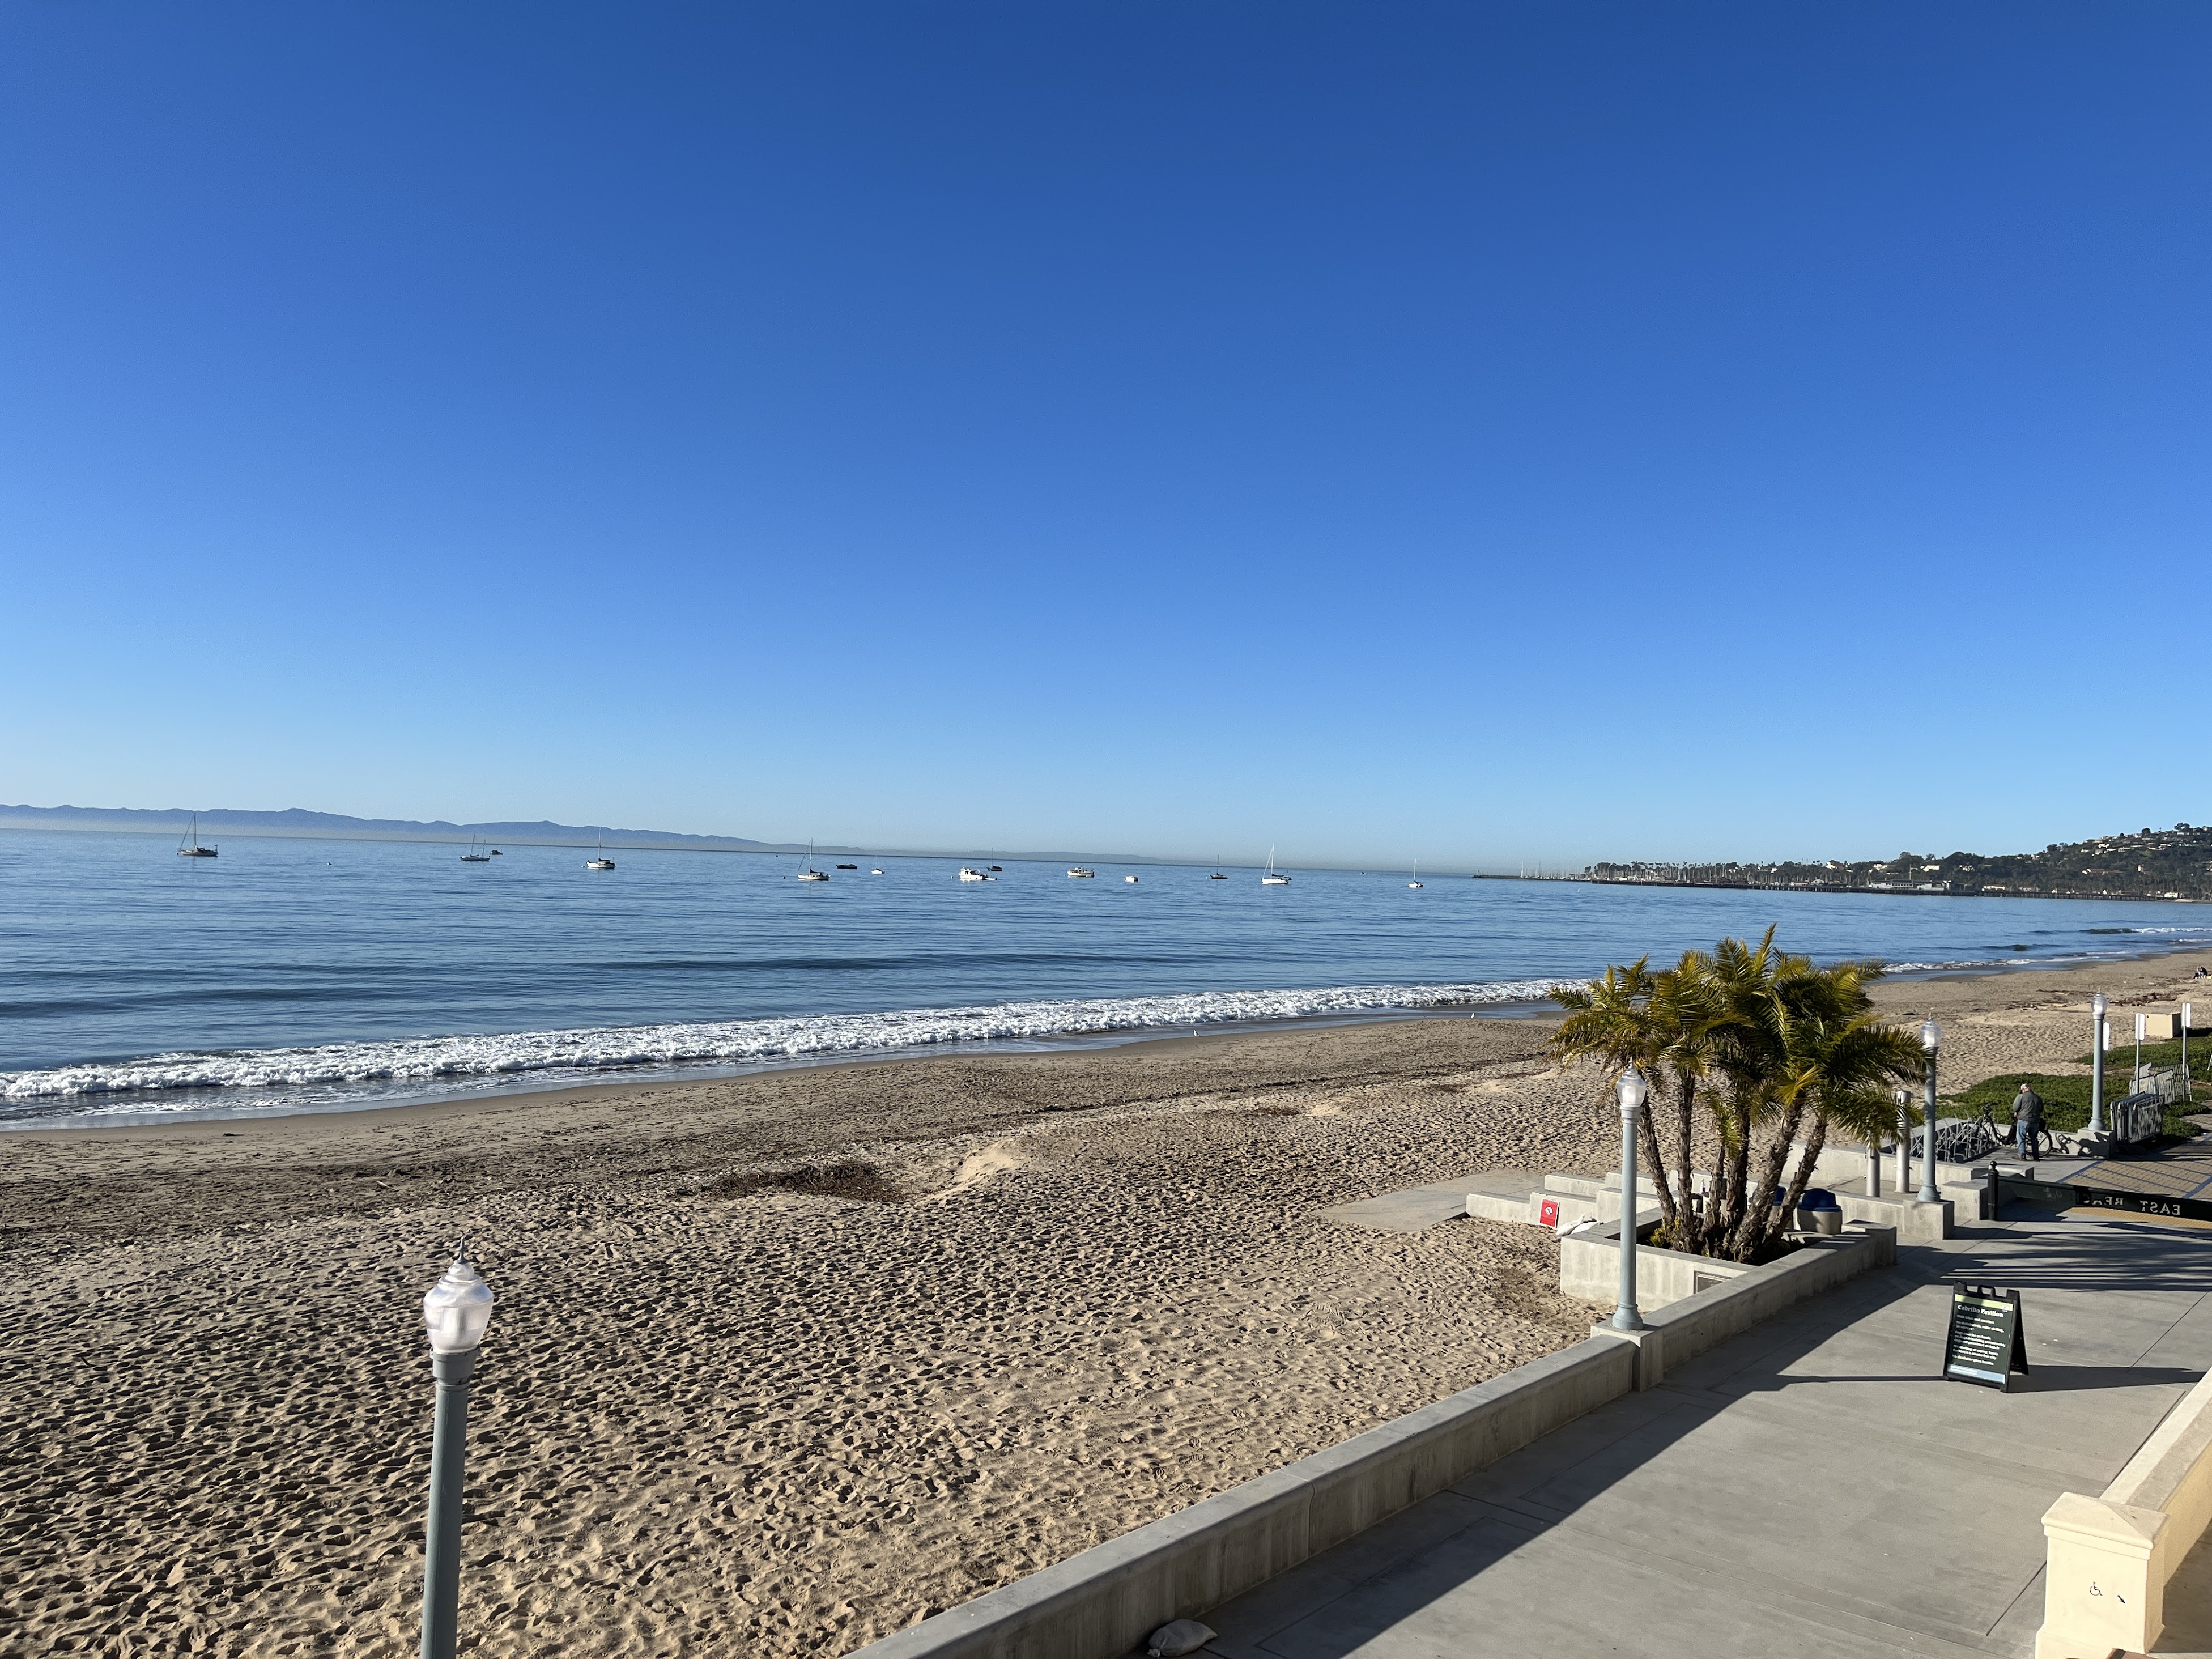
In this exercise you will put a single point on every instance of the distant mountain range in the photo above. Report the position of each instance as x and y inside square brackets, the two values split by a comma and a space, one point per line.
[337, 826]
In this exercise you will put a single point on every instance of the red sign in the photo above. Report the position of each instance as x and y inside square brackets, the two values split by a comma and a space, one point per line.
[1548, 1212]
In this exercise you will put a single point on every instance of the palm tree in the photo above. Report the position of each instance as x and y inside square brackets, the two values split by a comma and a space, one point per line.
[1762, 1042]
[1837, 1062]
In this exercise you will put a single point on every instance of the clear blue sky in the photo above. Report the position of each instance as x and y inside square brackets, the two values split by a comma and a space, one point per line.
[1484, 433]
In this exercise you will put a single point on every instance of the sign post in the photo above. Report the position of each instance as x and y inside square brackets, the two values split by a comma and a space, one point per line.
[1986, 1343]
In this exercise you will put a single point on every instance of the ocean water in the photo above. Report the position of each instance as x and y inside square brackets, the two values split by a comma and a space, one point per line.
[300, 976]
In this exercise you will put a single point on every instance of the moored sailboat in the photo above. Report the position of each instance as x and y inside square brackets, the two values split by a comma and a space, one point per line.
[190, 848]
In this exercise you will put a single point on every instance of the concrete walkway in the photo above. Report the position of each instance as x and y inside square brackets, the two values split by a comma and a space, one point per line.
[1808, 1488]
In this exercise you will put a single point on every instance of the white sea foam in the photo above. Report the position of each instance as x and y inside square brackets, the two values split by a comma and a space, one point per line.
[453, 1061]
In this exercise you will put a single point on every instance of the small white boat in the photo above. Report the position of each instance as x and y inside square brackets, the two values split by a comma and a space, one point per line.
[600, 861]
[967, 874]
[1272, 878]
[807, 870]
[1079, 873]
[1132, 880]
[190, 848]
[1416, 881]
[875, 872]
[472, 856]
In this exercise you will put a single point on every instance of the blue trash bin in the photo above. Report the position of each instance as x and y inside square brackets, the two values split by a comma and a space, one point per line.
[1818, 1212]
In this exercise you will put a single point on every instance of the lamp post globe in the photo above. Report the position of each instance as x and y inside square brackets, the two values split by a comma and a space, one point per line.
[457, 1309]
[1633, 1091]
[1931, 1039]
[456, 1313]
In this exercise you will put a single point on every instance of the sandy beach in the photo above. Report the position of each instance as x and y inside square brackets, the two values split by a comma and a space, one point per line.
[784, 1362]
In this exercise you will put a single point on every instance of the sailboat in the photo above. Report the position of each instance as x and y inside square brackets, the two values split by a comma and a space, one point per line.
[1416, 881]
[808, 871]
[1217, 875]
[1273, 879]
[599, 860]
[474, 857]
[190, 848]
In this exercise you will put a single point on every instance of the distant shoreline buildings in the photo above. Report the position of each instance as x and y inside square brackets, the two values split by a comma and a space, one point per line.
[2172, 864]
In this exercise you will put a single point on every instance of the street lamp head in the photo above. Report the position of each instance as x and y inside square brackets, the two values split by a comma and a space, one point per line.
[2097, 1004]
[1633, 1092]
[1931, 1036]
[1902, 1096]
[457, 1309]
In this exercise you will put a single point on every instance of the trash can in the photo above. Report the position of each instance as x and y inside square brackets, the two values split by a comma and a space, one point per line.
[1819, 1213]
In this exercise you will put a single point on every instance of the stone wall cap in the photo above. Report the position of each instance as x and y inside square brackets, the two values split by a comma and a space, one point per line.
[2123, 1526]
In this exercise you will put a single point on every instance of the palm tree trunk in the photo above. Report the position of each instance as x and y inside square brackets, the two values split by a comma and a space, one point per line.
[1758, 1225]
[1813, 1142]
[1739, 1176]
[1689, 1232]
[1718, 1201]
[1667, 1206]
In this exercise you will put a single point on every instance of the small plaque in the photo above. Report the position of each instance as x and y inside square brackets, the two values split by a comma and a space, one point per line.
[1547, 1213]
[1986, 1343]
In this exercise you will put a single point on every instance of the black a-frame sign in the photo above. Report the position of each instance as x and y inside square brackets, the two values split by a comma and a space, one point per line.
[1986, 1343]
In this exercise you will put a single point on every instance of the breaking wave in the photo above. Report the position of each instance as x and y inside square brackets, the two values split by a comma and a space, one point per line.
[344, 1072]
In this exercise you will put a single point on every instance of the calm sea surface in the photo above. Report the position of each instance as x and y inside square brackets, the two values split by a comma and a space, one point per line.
[298, 975]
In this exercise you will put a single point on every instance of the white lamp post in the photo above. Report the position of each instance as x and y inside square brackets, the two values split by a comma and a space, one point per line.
[1931, 1039]
[2097, 1006]
[457, 1311]
[1632, 1091]
[1903, 1096]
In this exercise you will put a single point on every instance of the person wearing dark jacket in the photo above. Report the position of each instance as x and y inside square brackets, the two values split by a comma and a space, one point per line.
[2026, 1120]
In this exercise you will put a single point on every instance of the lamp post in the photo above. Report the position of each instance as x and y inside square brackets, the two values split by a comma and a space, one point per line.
[2097, 1006]
[1903, 1096]
[1633, 1090]
[1931, 1039]
[457, 1311]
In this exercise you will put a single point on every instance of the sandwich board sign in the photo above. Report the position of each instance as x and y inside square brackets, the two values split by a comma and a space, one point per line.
[1547, 1213]
[1986, 1343]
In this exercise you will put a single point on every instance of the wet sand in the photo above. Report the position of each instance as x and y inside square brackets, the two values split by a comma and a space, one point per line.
[782, 1362]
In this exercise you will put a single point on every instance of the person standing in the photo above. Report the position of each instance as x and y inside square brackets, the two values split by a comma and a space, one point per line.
[2026, 1120]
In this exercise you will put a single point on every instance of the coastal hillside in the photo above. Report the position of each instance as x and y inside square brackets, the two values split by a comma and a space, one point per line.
[2150, 863]
[297, 821]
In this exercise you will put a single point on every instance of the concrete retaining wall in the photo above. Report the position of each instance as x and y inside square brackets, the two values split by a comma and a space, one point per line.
[1104, 1601]
[1590, 1267]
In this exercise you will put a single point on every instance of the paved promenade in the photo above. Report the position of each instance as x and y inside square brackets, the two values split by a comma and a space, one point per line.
[1809, 1488]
